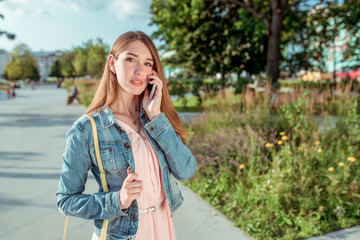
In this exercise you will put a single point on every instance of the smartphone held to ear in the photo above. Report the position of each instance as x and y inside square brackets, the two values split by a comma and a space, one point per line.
[152, 88]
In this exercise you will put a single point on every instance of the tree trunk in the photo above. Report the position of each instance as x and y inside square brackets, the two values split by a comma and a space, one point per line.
[273, 51]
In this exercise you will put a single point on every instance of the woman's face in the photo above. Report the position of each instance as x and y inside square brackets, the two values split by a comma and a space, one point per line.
[132, 67]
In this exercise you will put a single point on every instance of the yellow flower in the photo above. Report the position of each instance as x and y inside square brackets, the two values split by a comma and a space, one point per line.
[319, 150]
[280, 142]
[317, 142]
[331, 169]
[341, 164]
[284, 138]
[241, 166]
[351, 159]
[269, 145]
[290, 152]
[282, 133]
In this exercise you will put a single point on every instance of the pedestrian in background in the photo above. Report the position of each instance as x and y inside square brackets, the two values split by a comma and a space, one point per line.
[8, 92]
[13, 93]
[142, 146]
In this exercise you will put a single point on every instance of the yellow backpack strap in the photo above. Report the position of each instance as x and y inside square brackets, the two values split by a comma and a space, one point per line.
[101, 169]
[65, 228]
[97, 153]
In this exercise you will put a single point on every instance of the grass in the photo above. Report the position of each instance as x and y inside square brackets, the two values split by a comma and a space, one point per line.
[190, 104]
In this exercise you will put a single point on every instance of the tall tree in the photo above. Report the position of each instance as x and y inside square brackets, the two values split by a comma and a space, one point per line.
[349, 19]
[96, 57]
[209, 38]
[67, 68]
[56, 69]
[22, 66]
[274, 13]
[80, 61]
[322, 32]
[87, 59]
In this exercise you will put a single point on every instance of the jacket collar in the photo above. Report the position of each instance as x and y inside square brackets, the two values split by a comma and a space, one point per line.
[107, 118]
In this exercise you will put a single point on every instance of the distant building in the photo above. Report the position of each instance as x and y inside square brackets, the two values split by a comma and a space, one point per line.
[5, 57]
[44, 62]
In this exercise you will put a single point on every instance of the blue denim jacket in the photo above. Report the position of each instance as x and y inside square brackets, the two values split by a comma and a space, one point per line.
[175, 159]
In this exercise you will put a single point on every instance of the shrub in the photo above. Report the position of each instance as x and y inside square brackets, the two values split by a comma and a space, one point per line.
[279, 173]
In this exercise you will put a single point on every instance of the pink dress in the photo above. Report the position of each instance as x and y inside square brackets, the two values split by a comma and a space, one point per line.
[155, 225]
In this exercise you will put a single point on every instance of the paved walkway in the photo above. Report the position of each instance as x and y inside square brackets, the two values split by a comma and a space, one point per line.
[32, 128]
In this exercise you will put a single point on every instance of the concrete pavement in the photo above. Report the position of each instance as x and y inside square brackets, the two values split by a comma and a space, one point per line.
[32, 128]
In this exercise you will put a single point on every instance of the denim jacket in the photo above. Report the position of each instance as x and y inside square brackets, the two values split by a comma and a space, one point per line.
[175, 159]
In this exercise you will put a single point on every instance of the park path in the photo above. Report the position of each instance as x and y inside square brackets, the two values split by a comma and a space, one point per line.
[32, 129]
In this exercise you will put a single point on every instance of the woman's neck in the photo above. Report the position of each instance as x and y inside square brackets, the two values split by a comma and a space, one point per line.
[125, 104]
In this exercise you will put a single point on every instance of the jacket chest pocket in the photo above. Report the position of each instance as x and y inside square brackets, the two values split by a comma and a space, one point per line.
[108, 159]
[114, 163]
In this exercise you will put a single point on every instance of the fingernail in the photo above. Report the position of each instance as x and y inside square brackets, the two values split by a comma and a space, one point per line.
[129, 170]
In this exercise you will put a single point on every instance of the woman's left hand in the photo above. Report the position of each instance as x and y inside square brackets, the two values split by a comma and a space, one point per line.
[152, 107]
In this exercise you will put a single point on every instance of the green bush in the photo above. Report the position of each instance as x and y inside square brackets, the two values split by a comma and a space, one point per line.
[279, 174]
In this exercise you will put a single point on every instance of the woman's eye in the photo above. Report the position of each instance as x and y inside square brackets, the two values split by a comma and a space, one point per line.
[130, 59]
[148, 64]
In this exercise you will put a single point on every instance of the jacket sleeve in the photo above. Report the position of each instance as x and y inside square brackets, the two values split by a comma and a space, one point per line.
[179, 157]
[74, 171]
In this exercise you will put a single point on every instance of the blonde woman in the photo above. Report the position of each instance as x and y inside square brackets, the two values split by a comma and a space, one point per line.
[142, 146]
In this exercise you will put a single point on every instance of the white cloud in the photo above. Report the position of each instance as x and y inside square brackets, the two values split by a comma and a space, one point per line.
[78, 5]
[130, 8]
[122, 9]
[19, 8]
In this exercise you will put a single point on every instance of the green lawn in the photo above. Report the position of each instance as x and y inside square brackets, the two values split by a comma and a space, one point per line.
[191, 105]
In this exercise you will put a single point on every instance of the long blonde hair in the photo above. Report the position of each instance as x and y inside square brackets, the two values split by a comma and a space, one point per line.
[107, 90]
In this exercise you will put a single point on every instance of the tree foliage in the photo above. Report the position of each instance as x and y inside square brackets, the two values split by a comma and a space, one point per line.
[349, 20]
[209, 38]
[56, 69]
[88, 59]
[22, 66]
[96, 57]
[6, 33]
[237, 35]
[323, 28]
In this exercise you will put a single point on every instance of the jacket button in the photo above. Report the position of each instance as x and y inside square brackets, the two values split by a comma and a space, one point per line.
[128, 238]
[119, 130]
[133, 217]
[152, 128]
[129, 169]
[127, 146]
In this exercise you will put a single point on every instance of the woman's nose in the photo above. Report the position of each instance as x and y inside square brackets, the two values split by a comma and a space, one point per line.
[138, 69]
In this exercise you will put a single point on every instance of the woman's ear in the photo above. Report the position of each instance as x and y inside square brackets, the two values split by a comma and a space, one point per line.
[112, 63]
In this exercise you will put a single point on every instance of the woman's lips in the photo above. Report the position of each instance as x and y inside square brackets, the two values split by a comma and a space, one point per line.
[137, 82]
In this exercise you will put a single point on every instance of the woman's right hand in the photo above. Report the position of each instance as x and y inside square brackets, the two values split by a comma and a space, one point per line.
[130, 190]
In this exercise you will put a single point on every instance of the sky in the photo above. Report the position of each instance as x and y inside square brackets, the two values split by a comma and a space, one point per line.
[50, 25]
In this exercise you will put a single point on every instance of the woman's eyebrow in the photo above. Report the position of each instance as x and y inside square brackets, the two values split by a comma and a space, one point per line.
[135, 55]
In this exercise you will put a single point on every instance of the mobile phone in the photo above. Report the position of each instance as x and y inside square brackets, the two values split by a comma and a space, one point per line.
[152, 90]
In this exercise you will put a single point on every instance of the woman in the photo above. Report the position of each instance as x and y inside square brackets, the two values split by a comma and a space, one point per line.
[141, 145]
